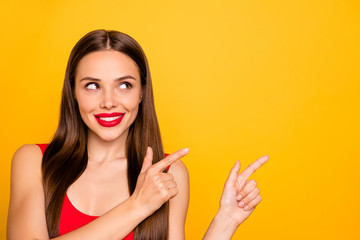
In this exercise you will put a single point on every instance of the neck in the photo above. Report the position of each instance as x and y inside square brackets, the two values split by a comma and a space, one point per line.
[100, 150]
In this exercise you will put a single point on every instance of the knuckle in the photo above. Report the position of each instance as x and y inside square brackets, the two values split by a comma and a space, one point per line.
[170, 176]
[172, 184]
[252, 169]
[253, 182]
[164, 193]
[178, 154]
[150, 170]
[245, 192]
[155, 178]
[242, 193]
[173, 192]
[248, 199]
[241, 179]
[176, 191]
[157, 181]
[146, 176]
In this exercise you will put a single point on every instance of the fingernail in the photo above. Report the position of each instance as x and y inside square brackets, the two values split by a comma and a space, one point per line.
[241, 204]
[246, 208]
[185, 150]
[239, 197]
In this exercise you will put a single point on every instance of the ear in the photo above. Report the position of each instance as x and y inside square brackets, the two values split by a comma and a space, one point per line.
[141, 95]
[73, 93]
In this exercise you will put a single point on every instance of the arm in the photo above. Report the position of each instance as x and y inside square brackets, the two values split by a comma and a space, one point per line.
[26, 209]
[239, 199]
[179, 204]
[26, 218]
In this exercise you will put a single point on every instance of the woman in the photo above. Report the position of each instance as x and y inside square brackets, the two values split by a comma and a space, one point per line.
[104, 175]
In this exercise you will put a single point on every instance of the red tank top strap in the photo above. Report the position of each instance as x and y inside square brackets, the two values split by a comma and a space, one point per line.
[167, 169]
[43, 146]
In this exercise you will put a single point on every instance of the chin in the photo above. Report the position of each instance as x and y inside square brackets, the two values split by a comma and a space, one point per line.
[112, 135]
[108, 135]
[109, 138]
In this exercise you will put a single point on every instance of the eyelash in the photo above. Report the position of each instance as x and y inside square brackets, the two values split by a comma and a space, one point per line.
[88, 84]
[128, 85]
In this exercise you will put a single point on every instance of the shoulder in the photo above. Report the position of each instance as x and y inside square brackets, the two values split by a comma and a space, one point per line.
[179, 170]
[181, 177]
[27, 154]
[28, 149]
[26, 161]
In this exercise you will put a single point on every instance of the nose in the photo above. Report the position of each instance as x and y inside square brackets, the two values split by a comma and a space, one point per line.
[108, 100]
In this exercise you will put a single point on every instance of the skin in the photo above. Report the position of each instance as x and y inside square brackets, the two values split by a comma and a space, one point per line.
[105, 82]
[237, 189]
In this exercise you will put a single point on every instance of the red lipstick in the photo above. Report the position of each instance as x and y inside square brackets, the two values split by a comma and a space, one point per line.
[109, 119]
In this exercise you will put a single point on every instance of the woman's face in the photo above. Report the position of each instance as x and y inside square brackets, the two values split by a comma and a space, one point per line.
[108, 92]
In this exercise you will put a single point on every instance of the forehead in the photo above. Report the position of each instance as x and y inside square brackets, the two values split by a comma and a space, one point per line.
[106, 64]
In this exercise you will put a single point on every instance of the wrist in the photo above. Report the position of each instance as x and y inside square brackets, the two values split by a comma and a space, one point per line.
[221, 227]
[137, 208]
[224, 218]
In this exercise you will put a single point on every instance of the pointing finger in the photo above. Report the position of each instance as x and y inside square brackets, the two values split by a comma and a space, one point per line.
[251, 169]
[168, 160]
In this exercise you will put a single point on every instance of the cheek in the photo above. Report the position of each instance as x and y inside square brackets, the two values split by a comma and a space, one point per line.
[130, 101]
[86, 106]
[131, 105]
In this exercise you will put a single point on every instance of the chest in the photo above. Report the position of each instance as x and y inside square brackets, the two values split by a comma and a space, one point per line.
[100, 188]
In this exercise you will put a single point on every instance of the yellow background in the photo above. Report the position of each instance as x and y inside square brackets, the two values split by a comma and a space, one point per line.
[233, 80]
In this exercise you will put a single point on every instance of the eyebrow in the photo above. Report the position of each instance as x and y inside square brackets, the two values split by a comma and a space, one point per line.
[116, 79]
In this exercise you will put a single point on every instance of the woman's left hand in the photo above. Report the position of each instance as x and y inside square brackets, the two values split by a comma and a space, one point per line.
[240, 196]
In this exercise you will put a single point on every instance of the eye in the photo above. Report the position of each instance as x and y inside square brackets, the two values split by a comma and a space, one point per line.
[92, 86]
[125, 85]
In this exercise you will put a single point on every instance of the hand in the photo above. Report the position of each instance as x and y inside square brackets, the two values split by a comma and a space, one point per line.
[240, 196]
[154, 187]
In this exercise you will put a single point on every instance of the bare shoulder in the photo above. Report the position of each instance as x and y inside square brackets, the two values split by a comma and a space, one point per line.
[26, 167]
[28, 149]
[26, 160]
[179, 170]
[181, 177]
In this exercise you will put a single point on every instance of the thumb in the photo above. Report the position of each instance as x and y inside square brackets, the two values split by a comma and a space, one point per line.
[147, 163]
[233, 173]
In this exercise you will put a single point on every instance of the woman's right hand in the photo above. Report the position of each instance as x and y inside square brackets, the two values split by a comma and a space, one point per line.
[154, 187]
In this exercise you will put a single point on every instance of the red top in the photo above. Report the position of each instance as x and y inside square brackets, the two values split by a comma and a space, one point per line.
[71, 218]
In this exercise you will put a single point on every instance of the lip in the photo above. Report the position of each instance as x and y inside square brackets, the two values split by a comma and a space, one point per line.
[114, 114]
[109, 123]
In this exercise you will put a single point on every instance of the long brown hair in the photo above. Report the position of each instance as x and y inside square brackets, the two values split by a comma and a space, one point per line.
[65, 159]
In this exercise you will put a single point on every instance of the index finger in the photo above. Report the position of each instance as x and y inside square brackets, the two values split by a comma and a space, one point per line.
[252, 168]
[168, 160]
